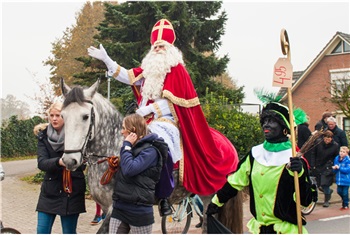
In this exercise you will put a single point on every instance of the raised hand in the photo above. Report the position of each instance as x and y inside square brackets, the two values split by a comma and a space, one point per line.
[100, 54]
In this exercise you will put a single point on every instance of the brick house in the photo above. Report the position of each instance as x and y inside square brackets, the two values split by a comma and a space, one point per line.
[312, 84]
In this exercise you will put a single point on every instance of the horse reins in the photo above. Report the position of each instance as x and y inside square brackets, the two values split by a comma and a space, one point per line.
[82, 150]
[113, 161]
[67, 181]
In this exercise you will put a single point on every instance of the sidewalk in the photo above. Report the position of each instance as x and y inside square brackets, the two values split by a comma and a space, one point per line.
[19, 199]
[18, 203]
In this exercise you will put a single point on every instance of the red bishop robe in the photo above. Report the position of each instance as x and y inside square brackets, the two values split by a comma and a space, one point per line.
[208, 156]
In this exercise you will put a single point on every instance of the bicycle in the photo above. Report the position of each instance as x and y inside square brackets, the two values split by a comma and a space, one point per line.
[180, 220]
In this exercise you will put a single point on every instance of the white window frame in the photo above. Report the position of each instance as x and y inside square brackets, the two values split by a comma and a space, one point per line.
[337, 75]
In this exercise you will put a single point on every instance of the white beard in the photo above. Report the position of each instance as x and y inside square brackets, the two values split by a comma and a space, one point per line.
[155, 67]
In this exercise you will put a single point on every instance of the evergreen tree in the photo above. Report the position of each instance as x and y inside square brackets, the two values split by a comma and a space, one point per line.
[125, 33]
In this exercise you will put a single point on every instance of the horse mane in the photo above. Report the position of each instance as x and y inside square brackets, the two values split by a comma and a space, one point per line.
[76, 94]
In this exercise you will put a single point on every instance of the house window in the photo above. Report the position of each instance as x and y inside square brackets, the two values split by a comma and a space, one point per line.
[346, 47]
[340, 78]
[346, 124]
[338, 48]
[341, 48]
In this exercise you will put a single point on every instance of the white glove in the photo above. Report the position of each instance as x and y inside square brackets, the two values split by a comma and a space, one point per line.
[101, 54]
[145, 110]
[163, 108]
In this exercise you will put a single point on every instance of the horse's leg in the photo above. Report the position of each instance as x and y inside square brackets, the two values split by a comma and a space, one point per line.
[206, 200]
[104, 228]
[101, 194]
[231, 214]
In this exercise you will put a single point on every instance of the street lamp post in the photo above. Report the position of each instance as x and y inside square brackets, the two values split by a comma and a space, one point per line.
[109, 85]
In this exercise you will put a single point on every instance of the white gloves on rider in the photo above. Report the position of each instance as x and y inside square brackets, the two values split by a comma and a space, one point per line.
[101, 54]
[145, 110]
[160, 108]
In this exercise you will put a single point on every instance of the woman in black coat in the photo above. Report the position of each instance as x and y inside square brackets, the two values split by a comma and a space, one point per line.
[322, 160]
[62, 192]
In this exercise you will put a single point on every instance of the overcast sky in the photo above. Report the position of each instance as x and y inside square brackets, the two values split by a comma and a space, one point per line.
[252, 39]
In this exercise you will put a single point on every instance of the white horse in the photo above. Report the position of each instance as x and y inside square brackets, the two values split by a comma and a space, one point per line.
[92, 134]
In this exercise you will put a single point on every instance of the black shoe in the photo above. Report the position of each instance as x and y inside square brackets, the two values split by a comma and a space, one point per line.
[164, 208]
[199, 225]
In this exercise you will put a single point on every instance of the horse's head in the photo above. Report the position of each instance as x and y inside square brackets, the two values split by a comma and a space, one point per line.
[79, 121]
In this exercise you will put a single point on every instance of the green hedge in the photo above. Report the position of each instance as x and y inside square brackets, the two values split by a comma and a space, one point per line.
[17, 137]
[242, 129]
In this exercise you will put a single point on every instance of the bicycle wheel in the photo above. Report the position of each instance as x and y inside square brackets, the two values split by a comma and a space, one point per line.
[179, 221]
[307, 210]
[9, 231]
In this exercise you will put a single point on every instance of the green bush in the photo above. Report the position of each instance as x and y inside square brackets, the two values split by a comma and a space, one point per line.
[242, 129]
[39, 177]
[17, 137]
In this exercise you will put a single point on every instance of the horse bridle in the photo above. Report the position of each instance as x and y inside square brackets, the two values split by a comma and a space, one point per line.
[82, 150]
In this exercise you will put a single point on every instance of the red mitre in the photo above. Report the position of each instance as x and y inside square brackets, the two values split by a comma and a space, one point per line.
[163, 31]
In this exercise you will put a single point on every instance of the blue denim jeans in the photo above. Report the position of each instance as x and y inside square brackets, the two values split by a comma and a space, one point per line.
[46, 220]
[343, 192]
[198, 202]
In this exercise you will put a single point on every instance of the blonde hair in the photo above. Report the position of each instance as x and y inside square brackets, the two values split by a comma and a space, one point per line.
[57, 105]
[345, 148]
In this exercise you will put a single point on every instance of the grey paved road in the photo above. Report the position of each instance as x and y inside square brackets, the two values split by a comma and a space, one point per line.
[18, 202]
[19, 199]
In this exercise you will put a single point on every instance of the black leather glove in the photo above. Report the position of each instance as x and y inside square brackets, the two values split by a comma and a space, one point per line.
[296, 164]
[212, 209]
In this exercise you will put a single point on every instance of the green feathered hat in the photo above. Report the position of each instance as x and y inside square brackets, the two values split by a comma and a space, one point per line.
[300, 116]
[272, 106]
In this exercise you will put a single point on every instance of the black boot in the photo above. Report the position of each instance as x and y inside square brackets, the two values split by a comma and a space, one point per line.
[164, 207]
[326, 200]
[200, 223]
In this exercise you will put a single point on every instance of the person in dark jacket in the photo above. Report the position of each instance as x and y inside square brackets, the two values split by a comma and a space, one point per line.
[268, 171]
[139, 171]
[339, 135]
[303, 134]
[62, 192]
[322, 160]
[321, 125]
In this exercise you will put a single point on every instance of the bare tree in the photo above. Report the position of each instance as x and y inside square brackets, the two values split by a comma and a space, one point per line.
[45, 96]
[10, 106]
[339, 91]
